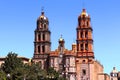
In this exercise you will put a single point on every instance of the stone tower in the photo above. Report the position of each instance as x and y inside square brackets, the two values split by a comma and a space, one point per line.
[42, 44]
[85, 54]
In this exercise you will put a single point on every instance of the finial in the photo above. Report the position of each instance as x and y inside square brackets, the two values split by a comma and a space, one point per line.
[61, 39]
[61, 36]
[42, 9]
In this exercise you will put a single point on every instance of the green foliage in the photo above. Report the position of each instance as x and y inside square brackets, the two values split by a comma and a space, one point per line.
[19, 71]
[11, 63]
[52, 73]
[2, 75]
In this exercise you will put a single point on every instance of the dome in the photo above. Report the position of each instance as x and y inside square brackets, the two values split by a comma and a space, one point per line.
[84, 13]
[42, 17]
[61, 39]
[114, 70]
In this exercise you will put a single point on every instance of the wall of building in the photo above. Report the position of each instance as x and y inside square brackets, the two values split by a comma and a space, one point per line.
[103, 76]
[98, 69]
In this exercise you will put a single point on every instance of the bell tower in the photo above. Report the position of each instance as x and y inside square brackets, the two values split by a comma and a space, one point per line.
[42, 44]
[84, 36]
[85, 54]
[61, 49]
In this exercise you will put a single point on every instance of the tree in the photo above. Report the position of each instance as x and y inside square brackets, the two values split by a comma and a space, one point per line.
[11, 63]
[14, 69]
[2, 75]
[52, 74]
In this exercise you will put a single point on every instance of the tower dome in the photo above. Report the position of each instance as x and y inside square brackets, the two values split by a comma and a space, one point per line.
[84, 13]
[43, 17]
[114, 70]
[42, 21]
[61, 39]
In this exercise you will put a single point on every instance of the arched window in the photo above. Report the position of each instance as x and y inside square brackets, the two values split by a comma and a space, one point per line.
[87, 23]
[83, 61]
[86, 34]
[43, 49]
[86, 46]
[81, 34]
[39, 49]
[81, 46]
[83, 72]
[45, 26]
[39, 37]
[43, 37]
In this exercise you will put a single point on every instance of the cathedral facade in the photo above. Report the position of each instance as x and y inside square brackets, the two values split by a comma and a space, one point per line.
[76, 64]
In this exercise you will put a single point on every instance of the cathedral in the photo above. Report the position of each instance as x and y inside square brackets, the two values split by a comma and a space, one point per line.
[76, 64]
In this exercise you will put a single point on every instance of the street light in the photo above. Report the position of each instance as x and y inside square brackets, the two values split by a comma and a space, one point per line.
[8, 76]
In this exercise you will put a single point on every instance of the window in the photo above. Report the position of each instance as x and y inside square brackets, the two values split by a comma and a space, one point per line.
[86, 46]
[45, 26]
[86, 34]
[38, 49]
[43, 48]
[87, 23]
[84, 72]
[81, 35]
[39, 37]
[83, 61]
[81, 47]
[43, 37]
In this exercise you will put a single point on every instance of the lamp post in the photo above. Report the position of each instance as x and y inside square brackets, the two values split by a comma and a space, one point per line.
[8, 76]
[50, 77]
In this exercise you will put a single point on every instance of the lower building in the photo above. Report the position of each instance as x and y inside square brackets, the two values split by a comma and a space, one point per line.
[24, 59]
[103, 76]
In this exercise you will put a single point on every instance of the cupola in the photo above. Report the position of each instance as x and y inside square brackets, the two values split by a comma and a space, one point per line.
[42, 17]
[61, 42]
[84, 13]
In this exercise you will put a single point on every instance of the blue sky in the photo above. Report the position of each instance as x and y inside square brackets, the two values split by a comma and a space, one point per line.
[18, 22]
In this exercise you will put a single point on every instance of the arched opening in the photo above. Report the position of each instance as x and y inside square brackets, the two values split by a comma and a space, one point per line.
[43, 37]
[39, 37]
[39, 49]
[86, 46]
[81, 46]
[43, 49]
[83, 72]
[81, 34]
[86, 34]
